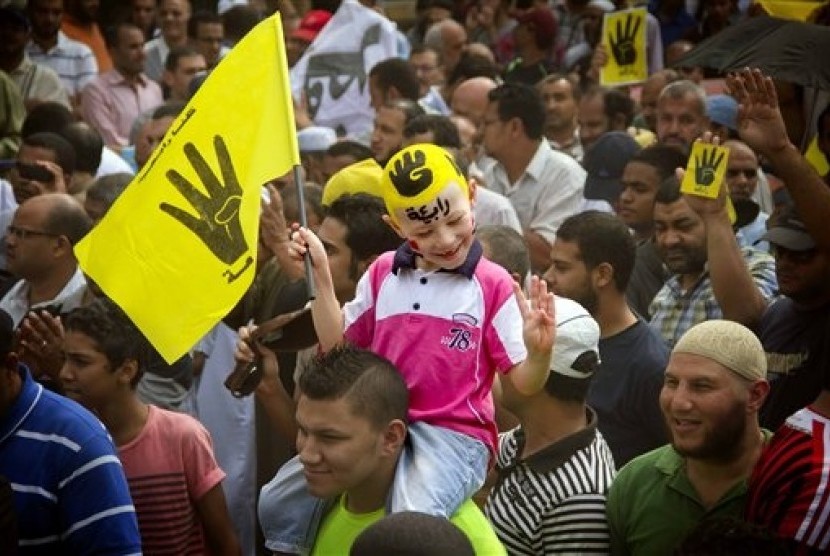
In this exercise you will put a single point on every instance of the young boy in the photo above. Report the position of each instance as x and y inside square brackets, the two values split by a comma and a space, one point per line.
[167, 457]
[447, 318]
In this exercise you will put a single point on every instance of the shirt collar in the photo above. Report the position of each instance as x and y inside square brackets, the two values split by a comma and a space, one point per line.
[550, 458]
[30, 393]
[405, 257]
[115, 77]
[536, 167]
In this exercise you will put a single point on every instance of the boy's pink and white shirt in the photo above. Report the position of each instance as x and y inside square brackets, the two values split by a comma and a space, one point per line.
[448, 332]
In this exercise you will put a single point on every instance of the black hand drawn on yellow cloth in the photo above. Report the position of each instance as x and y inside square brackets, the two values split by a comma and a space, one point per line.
[218, 225]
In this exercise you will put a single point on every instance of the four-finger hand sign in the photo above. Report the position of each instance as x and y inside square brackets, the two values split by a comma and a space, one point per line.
[218, 224]
[622, 43]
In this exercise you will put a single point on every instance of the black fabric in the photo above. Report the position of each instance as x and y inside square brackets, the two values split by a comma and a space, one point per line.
[626, 389]
[647, 277]
[794, 341]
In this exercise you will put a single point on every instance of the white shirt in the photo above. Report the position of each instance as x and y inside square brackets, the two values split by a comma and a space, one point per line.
[16, 301]
[549, 191]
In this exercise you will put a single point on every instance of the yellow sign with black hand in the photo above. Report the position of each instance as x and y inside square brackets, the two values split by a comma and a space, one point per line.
[177, 249]
[624, 38]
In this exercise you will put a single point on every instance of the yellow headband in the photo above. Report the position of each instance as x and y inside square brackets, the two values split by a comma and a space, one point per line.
[415, 175]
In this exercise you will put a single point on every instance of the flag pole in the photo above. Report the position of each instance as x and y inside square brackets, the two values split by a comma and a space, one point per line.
[298, 183]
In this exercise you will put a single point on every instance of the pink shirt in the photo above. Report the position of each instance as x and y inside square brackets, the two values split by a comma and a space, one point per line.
[170, 466]
[447, 332]
[110, 104]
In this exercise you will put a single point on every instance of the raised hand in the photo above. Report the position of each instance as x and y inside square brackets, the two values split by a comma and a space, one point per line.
[539, 328]
[760, 123]
[218, 225]
[622, 43]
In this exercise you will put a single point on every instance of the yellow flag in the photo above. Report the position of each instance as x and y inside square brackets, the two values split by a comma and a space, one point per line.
[790, 9]
[178, 248]
[624, 37]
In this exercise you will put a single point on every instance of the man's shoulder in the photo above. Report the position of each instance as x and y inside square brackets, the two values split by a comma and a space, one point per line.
[58, 420]
[649, 468]
[472, 522]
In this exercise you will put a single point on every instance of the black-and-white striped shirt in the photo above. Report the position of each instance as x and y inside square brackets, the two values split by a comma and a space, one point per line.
[553, 502]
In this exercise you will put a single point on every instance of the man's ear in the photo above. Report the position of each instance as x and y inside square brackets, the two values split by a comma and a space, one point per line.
[11, 361]
[127, 371]
[393, 437]
[363, 264]
[603, 275]
[758, 391]
[394, 225]
[167, 78]
[472, 184]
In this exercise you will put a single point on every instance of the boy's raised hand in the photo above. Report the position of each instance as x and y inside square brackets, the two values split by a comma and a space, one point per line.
[539, 319]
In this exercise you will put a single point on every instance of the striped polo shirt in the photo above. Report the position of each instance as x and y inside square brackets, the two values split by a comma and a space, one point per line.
[73, 61]
[70, 492]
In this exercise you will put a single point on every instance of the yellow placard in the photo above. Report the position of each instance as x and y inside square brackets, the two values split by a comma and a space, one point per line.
[624, 37]
[706, 170]
[178, 248]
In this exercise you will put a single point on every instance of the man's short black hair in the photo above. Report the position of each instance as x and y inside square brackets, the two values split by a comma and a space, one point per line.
[106, 189]
[508, 248]
[63, 150]
[398, 73]
[112, 32]
[373, 386]
[472, 65]
[517, 100]
[367, 234]
[412, 534]
[113, 332]
[444, 132]
[177, 53]
[669, 191]
[664, 159]
[46, 116]
[87, 143]
[602, 238]
[200, 17]
[170, 109]
[347, 147]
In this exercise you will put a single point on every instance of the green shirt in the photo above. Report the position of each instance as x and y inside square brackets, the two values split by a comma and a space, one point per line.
[341, 527]
[652, 505]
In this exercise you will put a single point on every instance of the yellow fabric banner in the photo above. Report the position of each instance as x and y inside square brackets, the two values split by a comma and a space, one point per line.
[624, 37]
[178, 249]
[815, 157]
[790, 9]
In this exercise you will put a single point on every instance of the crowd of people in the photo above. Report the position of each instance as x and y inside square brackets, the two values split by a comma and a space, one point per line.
[525, 336]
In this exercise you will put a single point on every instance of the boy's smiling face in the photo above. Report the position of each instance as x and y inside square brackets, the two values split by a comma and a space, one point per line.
[441, 231]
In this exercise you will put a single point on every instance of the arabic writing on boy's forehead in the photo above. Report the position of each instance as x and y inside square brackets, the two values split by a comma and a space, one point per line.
[429, 212]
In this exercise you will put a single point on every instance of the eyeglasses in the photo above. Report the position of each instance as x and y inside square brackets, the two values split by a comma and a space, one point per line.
[23, 233]
[747, 173]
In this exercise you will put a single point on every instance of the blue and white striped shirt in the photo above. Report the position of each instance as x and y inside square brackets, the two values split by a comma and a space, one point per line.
[70, 492]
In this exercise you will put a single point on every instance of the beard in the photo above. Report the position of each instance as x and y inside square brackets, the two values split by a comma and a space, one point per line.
[723, 441]
[684, 260]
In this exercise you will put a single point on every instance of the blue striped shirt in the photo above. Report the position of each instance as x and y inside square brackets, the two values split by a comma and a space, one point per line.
[70, 492]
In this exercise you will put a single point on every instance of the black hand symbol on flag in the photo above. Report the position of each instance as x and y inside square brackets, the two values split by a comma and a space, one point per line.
[218, 224]
[706, 166]
[622, 44]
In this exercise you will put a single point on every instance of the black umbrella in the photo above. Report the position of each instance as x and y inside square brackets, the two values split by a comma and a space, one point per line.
[786, 50]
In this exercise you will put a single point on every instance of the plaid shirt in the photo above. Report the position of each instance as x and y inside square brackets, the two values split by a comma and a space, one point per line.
[675, 311]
